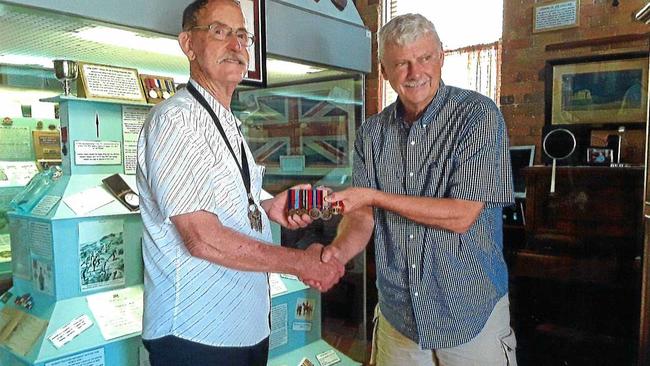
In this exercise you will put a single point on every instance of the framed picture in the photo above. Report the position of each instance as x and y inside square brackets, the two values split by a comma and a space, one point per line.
[599, 156]
[254, 13]
[609, 89]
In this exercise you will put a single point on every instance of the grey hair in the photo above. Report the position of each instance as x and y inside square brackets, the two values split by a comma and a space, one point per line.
[404, 29]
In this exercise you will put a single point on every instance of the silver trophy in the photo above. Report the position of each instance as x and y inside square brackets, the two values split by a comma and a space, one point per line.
[65, 71]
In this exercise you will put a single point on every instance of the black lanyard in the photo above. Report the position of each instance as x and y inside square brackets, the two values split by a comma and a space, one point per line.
[243, 168]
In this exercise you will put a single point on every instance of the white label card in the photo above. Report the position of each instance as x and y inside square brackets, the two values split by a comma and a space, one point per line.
[97, 152]
[328, 358]
[86, 201]
[302, 326]
[132, 120]
[118, 312]
[45, 205]
[69, 331]
[276, 284]
[90, 358]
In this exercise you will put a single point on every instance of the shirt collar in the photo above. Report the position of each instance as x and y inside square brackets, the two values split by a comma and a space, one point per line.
[431, 110]
[222, 112]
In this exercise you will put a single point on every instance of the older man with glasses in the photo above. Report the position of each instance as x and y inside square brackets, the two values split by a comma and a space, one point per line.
[207, 235]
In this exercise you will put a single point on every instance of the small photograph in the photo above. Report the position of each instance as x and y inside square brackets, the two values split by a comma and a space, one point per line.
[42, 276]
[305, 362]
[304, 308]
[599, 156]
[101, 254]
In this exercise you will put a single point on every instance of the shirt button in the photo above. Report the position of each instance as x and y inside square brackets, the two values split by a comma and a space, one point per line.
[413, 266]
[411, 236]
[424, 125]
[416, 294]
[412, 142]
[410, 174]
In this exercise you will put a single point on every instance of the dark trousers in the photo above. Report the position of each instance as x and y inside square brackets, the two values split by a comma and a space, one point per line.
[174, 351]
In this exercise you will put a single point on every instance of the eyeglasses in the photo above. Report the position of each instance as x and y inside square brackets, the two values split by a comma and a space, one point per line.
[222, 32]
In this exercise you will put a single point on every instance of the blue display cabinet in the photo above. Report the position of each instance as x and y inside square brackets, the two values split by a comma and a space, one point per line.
[296, 329]
[63, 259]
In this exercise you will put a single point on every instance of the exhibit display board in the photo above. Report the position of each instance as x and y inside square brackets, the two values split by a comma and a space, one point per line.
[77, 263]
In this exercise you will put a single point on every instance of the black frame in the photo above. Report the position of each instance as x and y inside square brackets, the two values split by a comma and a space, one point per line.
[548, 90]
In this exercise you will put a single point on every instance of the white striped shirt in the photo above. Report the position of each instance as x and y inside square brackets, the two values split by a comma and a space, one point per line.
[183, 167]
[435, 286]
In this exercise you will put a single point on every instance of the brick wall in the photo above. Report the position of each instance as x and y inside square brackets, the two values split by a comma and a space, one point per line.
[603, 29]
[370, 11]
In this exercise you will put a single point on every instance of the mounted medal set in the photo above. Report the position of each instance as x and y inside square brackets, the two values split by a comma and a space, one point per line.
[312, 201]
[157, 88]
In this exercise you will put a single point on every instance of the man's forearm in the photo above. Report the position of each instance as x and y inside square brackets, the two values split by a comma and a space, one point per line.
[354, 233]
[207, 238]
[445, 213]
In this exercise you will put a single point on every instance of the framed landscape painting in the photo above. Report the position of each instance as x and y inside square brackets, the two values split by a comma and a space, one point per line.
[600, 90]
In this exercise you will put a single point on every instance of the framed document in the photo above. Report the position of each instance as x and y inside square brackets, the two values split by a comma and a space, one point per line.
[47, 144]
[254, 13]
[109, 82]
[556, 15]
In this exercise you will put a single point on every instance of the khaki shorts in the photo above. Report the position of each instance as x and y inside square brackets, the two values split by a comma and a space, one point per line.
[495, 345]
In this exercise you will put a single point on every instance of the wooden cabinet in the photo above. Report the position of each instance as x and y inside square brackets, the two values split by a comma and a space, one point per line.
[595, 211]
[575, 279]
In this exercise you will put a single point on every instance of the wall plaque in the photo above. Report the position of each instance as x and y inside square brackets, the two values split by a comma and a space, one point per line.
[556, 15]
[109, 82]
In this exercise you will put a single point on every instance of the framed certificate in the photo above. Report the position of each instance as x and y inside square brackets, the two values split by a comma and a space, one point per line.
[109, 82]
[254, 13]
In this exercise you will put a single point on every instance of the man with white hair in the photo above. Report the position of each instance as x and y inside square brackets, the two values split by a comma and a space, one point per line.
[431, 175]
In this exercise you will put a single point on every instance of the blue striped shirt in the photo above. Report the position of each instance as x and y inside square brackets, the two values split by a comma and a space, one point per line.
[183, 167]
[435, 286]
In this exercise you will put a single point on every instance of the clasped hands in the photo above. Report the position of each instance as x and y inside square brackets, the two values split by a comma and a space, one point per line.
[323, 266]
[321, 270]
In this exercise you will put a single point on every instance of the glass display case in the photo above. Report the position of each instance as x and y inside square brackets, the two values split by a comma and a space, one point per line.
[300, 126]
[303, 131]
[29, 132]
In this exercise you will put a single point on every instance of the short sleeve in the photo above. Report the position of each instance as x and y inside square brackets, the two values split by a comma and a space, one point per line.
[482, 170]
[179, 165]
[360, 173]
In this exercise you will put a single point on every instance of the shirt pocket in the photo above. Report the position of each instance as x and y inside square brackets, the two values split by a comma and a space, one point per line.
[389, 173]
[435, 183]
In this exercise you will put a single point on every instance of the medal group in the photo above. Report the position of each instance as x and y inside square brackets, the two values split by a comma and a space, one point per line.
[312, 201]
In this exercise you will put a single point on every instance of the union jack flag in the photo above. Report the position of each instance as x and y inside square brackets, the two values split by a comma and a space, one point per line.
[317, 123]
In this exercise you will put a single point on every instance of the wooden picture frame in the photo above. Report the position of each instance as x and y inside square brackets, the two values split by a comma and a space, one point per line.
[157, 88]
[596, 91]
[254, 12]
[98, 81]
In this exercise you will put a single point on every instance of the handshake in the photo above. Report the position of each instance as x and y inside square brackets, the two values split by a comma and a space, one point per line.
[322, 267]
